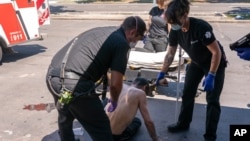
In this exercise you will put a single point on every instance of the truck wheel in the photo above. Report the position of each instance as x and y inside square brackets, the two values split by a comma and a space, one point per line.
[2, 45]
[1, 55]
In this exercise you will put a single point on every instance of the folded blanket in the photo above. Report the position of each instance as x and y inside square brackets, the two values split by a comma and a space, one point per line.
[150, 60]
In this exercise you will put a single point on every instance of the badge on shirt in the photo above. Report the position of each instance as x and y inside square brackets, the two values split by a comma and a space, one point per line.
[208, 34]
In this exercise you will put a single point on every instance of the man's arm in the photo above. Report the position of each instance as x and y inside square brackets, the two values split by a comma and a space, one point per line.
[168, 58]
[147, 119]
[115, 85]
[216, 56]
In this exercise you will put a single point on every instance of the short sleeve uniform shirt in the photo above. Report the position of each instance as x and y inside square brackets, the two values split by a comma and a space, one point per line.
[94, 52]
[195, 41]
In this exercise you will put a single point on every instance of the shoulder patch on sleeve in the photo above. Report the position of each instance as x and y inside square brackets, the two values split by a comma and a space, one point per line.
[208, 34]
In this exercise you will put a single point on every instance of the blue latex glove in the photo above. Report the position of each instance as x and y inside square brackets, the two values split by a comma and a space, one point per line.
[159, 77]
[112, 106]
[243, 53]
[208, 83]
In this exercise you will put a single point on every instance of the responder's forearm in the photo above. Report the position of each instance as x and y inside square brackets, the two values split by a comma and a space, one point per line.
[114, 93]
[151, 129]
[115, 85]
[168, 60]
[215, 61]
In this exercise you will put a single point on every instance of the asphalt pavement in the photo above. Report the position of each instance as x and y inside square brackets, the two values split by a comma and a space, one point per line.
[22, 75]
[211, 12]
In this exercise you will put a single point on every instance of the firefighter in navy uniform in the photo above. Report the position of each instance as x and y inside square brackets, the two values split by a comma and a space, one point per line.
[196, 37]
[80, 64]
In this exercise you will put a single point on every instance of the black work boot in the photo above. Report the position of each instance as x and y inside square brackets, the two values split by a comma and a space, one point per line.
[177, 127]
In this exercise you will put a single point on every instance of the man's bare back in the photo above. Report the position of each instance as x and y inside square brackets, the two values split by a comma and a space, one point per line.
[126, 109]
[123, 122]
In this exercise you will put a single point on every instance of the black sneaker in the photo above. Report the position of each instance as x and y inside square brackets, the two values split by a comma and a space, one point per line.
[174, 128]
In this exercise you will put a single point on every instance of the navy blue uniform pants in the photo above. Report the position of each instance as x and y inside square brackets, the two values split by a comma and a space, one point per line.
[88, 111]
[193, 77]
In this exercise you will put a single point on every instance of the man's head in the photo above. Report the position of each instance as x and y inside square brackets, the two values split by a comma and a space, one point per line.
[142, 83]
[134, 28]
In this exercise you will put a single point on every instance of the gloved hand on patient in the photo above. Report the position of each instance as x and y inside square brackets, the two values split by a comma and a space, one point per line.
[112, 106]
[159, 77]
[243, 53]
[160, 80]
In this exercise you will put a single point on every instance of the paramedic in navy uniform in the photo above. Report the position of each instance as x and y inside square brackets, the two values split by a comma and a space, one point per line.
[92, 54]
[196, 37]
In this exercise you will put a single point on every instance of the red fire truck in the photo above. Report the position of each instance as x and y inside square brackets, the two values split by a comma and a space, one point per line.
[20, 21]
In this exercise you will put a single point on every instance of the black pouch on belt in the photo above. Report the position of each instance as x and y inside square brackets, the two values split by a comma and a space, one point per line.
[84, 88]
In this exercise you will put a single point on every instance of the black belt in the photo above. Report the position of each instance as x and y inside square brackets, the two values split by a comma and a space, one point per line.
[71, 75]
[67, 75]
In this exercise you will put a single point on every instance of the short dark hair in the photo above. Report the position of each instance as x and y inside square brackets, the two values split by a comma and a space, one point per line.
[176, 9]
[134, 22]
[139, 81]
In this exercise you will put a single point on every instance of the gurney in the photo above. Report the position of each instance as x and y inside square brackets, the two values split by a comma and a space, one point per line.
[148, 60]
[148, 65]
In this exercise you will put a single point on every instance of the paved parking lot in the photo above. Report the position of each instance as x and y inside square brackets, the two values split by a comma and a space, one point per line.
[23, 83]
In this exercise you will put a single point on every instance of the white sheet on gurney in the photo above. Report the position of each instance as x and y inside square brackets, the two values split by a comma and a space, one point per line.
[139, 59]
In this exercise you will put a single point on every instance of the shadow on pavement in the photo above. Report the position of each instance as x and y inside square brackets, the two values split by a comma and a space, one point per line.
[163, 113]
[55, 136]
[23, 51]
[60, 9]
[170, 90]
[142, 1]
[52, 137]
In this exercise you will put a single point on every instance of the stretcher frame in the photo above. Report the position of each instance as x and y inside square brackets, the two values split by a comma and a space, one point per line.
[151, 75]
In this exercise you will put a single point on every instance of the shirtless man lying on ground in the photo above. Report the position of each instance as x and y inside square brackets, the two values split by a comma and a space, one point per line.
[123, 122]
